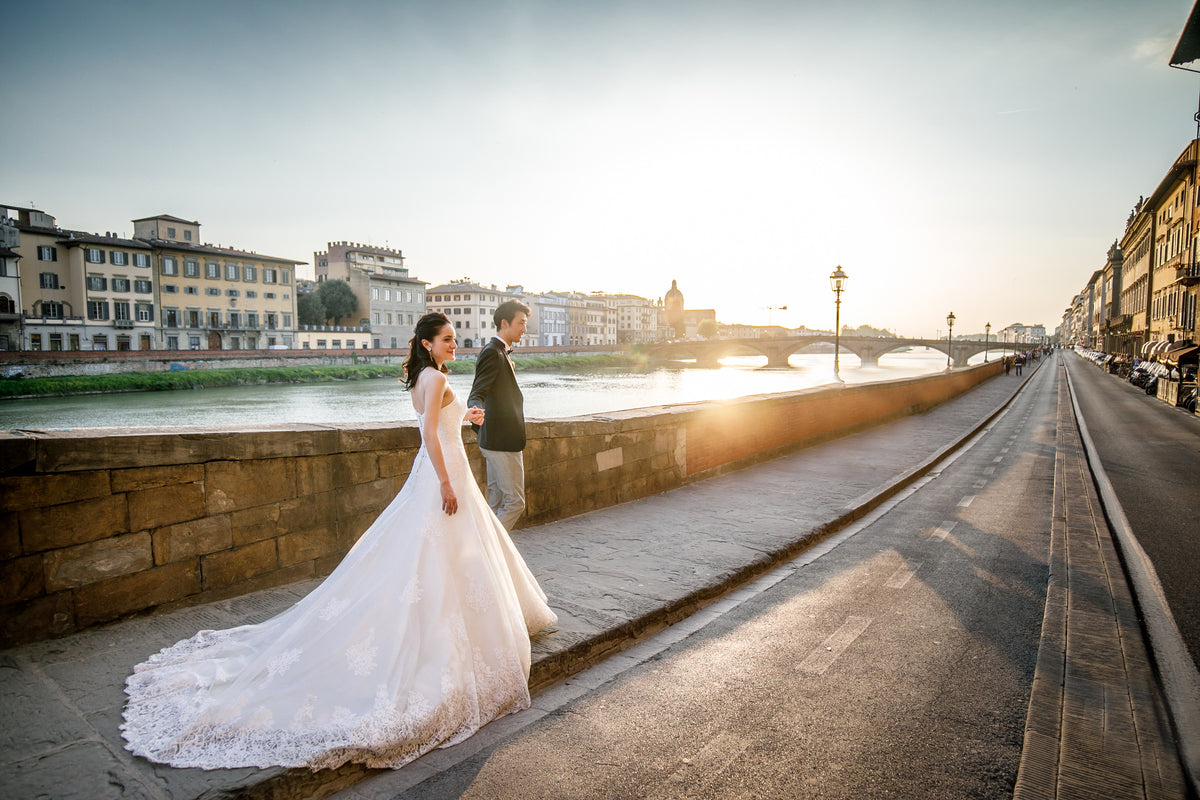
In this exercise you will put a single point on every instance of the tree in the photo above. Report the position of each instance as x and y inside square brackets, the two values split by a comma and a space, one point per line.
[707, 328]
[309, 310]
[338, 300]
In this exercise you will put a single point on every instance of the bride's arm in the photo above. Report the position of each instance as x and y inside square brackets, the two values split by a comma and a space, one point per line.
[431, 386]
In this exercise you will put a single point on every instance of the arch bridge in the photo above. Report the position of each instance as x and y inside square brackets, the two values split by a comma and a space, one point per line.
[778, 349]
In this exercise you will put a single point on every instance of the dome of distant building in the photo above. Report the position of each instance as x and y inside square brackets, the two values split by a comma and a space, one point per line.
[673, 302]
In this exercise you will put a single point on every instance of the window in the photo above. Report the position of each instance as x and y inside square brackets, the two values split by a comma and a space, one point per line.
[235, 319]
[337, 344]
[170, 289]
[48, 280]
[375, 293]
[47, 253]
[191, 268]
[99, 342]
[141, 259]
[172, 342]
[212, 270]
[212, 291]
[56, 341]
[251, 319]
[214, 319]
[170, 233]
[251, 293]
[231, 272]
[232, 293]
[73, 341]
[120, 284]
[249, 274]
[187, 235]
[387, 294]
[121, 310]
[191, 290]
[118, 258]
[94, 255]
[145, 312]
[321, 344]
[269, 295]
[287, 320]
[97, 283]
[143, 286]
[52, 309]
[193, 342]
[193, 318]
[271, 322]
[170, 266]
[97, 309]
[171, 319]
[268, 275]
[35, 341]
[285, 276]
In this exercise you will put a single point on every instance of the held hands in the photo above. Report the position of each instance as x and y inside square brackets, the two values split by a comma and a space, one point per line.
[449, 501]
[475, 415]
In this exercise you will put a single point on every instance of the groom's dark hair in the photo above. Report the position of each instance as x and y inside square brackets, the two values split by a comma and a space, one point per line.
[507, 310]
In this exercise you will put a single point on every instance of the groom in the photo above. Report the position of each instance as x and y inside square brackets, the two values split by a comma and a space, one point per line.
[502, 436]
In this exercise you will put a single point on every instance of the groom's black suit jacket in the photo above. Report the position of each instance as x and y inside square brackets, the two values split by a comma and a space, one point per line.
[495, 390]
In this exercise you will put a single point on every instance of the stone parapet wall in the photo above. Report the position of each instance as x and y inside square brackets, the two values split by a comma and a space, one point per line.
[99, 524]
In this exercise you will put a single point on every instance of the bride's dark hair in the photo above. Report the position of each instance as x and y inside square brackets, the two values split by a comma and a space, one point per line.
[419, 358]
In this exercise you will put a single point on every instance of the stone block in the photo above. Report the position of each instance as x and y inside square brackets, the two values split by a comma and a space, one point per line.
[302, 513]
[378, 436]
[10, 535]
[609, 459]
[255, 524]
[18, 493]
[39, 618]
[373, 496]
[232, 485]
[18, 451]
[21, 579]
[131, 480]
[93, 562]
[314, 475]
[351, 469]
[307, 545]
[108, 600]
[240, 564]
[351, 529]
[73, 523]
[190, 539]
[165, 505]
[396, 463]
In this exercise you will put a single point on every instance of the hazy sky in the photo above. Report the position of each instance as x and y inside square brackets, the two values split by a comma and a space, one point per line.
[978, 157]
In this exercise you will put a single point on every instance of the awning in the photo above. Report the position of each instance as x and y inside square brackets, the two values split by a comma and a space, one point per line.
[1187, 354]
[1187, 49]
[1151, 347]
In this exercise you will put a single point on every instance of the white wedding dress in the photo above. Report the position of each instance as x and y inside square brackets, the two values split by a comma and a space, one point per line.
[419, 638]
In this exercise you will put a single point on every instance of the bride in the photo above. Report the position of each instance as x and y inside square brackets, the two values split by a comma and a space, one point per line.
[419, 638]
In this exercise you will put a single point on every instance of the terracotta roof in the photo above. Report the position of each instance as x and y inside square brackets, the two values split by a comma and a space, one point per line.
[164, 244]
[168, 218]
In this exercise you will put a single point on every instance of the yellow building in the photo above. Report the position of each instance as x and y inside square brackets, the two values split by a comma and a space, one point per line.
[217, 298]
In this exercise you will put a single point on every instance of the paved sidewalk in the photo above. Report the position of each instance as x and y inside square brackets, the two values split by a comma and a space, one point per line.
[614, 576]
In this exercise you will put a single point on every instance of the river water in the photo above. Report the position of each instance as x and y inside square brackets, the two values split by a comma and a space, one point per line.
[548, 395]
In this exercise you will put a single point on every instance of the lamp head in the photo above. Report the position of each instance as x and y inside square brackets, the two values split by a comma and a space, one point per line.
[837, 280]
[950, 319]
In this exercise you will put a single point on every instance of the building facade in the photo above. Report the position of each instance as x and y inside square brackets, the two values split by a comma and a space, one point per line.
[469, 307]
[162, 289]
[390, 301]
[10, 283]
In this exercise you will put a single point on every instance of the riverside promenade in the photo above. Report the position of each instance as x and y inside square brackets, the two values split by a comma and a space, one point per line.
[621, 574]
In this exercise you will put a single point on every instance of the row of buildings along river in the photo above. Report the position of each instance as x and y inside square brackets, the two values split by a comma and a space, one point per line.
[1141, 304]
[165, 288]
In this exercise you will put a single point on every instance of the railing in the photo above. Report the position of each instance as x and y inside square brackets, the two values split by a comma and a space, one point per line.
[1188, 274]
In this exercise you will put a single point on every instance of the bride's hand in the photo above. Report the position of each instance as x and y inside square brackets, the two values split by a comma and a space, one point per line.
[475, 415]
[449, 501]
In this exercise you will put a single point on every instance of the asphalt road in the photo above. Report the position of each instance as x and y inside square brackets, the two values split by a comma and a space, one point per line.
[1151, 453]
[894, 661]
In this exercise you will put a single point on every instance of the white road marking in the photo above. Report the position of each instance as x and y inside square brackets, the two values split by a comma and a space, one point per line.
[944, 529]
[966, 501]
[902, 576]
[823, 657]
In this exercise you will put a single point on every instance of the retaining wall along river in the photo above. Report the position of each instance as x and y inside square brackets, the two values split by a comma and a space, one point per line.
[98, 524]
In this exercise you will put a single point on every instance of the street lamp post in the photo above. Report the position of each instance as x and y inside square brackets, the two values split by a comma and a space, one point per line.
[987, 332]
[837, 282]
[949, 338]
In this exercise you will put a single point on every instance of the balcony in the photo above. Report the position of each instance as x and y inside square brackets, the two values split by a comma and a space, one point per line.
[122, 323]
[1188, 274]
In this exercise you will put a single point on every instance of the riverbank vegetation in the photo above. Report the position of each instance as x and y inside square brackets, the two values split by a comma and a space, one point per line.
[170, 380]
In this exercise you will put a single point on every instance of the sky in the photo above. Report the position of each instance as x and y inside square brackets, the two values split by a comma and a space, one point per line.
[950, 155]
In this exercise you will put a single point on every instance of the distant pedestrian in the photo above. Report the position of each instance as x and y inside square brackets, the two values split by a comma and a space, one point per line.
[1018, 363]
[1007, 364]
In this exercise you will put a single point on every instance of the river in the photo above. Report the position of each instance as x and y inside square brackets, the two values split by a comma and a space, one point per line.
[548, 395]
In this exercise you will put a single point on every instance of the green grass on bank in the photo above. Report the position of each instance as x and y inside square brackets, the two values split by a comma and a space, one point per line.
[257, 376]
